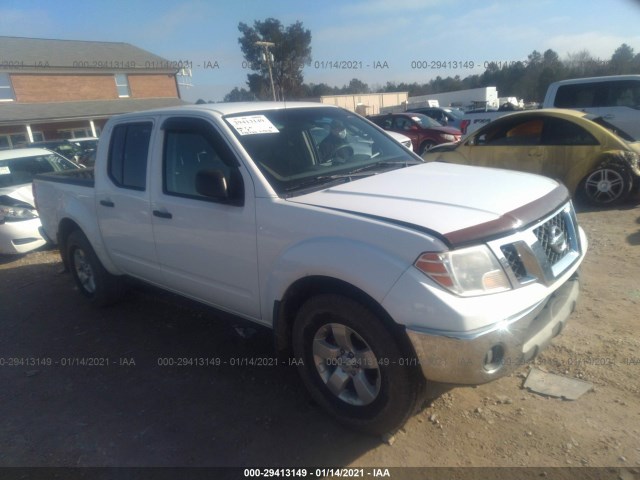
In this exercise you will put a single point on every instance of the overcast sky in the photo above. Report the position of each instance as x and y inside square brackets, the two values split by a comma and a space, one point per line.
[381, 40]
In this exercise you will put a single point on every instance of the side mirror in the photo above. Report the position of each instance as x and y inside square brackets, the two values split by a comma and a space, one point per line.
[212, 184]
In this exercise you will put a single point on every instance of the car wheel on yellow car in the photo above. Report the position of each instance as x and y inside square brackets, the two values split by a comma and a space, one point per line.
[607, 185]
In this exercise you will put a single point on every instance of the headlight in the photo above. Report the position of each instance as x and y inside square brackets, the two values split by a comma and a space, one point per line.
[467, 272]
[16, 213]
[448, 138]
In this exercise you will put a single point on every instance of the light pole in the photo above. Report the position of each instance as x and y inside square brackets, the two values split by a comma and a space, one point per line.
[267, 57]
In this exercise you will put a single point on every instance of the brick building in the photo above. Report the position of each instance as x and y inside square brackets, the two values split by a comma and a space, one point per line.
[52, 89]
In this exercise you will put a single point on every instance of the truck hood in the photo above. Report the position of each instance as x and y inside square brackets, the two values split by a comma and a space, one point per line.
[459, 204]
[20, 193]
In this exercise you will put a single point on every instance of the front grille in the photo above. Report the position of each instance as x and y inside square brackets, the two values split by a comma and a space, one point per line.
[541, 252]
[514, 260]
[554, 237]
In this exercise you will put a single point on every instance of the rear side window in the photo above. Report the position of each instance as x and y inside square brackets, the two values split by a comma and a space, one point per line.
[128, 155]
[514, 132]
[558, 131]
[579, 95]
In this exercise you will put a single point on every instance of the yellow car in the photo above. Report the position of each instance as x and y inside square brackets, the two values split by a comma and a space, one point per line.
[591, 157]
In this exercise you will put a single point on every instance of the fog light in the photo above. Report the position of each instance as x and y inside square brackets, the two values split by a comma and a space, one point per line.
[494, 358]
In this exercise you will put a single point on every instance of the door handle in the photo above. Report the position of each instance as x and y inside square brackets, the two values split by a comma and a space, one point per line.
[107, 203]
[161, 214]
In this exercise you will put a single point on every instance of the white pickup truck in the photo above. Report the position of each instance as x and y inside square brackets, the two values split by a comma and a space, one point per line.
[377, 273]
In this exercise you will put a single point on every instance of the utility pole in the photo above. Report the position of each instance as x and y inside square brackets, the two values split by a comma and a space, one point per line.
[267, 57]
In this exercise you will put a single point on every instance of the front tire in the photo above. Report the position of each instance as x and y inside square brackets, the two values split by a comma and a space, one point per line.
[608, 185]
[93, 281]
[353, 366]
[425, 147]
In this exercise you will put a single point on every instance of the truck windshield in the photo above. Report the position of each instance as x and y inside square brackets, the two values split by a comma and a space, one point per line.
[19, 171]
[298, 148]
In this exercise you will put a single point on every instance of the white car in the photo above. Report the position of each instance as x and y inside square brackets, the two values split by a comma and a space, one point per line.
[19, 220]
[401, 139]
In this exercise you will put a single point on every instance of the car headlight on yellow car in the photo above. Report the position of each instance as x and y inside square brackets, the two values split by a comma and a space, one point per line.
[466, 272]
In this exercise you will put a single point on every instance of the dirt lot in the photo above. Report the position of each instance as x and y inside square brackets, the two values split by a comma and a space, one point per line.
[124, 408]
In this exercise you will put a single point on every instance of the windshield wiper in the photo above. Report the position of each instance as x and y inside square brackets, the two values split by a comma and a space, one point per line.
[372, 166]
[338, 178]
[315, 181]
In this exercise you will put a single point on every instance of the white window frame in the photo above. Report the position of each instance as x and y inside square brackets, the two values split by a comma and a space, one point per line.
[38, 136]
[77, 132]
[6, 86]
[122, 85]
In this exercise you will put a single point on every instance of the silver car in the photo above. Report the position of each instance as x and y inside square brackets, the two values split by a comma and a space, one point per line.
[19, 220]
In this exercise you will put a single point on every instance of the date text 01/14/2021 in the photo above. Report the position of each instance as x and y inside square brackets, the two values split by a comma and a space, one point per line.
[317, 472]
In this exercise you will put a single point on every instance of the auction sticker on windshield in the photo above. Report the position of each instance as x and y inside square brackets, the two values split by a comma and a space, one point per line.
[5, 171]
[252, 125]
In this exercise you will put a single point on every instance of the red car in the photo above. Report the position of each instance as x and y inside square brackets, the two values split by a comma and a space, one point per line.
[423, 131]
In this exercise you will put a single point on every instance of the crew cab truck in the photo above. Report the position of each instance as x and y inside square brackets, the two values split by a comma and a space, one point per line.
[377, 272]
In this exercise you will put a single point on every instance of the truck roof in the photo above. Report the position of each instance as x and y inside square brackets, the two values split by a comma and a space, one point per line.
[596, 79]
[236, 107]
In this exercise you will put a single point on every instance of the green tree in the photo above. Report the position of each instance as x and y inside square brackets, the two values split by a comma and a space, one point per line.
[356, 86]
[622, 60]
[239, 95]
[291, 52]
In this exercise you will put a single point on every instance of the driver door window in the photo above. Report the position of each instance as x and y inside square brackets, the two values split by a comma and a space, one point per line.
[191, 148]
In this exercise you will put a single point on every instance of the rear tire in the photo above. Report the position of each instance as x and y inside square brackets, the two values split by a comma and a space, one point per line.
[93, 281]
[353, 366]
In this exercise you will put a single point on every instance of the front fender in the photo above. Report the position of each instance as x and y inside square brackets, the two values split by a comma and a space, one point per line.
[367, 267]
[621, 157]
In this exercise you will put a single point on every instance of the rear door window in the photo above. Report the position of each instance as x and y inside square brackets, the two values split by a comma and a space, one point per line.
[128, 154]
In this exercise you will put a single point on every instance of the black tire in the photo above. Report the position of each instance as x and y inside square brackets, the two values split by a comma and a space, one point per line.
[93, 281]
[607, 185]
[342, 344]
[425, 147]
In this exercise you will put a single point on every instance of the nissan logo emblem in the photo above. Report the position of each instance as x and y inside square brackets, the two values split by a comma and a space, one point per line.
[557, 239]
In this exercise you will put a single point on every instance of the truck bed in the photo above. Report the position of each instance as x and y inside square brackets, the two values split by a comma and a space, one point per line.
[83, 177]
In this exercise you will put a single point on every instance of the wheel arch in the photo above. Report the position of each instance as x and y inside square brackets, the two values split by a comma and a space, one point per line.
[620, 160]
[66, 227]
[285, 310]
